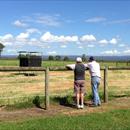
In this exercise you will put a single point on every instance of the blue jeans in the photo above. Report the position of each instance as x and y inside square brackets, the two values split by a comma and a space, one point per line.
[95, 81]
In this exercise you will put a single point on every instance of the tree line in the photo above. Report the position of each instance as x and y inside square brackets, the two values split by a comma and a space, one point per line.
[65, 58]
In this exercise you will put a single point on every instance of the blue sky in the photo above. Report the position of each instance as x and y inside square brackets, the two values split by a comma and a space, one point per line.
[65, 27]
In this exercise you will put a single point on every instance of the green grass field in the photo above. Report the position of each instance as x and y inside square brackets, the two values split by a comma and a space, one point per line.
[114, 120]
[15, 62]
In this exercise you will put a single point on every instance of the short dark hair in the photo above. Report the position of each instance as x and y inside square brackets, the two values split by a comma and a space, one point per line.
[91, 58]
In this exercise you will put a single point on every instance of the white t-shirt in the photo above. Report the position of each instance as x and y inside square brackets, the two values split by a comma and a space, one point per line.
[94, 68]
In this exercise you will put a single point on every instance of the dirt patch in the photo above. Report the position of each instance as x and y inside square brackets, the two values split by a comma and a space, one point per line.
[120, 103]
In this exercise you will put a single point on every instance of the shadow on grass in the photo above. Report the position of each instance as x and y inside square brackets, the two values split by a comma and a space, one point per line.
[111, 97]
[24, 74]
[37, 102]
[67, 101]
[120, 96]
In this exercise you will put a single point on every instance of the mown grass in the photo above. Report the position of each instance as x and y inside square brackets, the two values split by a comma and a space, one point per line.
[114, 120]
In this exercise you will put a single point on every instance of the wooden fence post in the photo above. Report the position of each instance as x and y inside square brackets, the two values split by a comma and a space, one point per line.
[105, 85]
[47, 88]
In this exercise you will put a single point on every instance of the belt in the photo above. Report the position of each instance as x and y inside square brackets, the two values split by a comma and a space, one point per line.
[95, 76]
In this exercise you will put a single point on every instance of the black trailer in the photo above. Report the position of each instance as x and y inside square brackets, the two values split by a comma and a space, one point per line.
[30, 59]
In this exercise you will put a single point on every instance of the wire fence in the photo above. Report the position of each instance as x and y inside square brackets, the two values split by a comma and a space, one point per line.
[22, 83]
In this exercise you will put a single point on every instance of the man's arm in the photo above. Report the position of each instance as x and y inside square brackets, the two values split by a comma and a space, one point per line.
[71, 66]
[86, 66]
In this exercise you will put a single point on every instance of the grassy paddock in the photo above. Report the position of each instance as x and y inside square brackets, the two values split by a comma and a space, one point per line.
[14, 86]
[114, 120]
[15, 62]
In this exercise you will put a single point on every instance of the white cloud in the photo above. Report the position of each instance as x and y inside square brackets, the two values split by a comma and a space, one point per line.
[88, 38]
[7, 39]
[48, 37]
[80, 47]
[63, 46]
[18, 23]
[119, 21]
[34, 41]
[48, 20]
[45, 40]
[32, 30]
[104, 41]
[122, 45]
[95, 20]
[126, 51]
[111, 52]
[7, 43]
[91, 45]
[38, 18]
[52, 52]
[22, 37]
[113, 41]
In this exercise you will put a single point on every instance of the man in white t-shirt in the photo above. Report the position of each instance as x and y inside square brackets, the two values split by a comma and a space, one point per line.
[94, 69]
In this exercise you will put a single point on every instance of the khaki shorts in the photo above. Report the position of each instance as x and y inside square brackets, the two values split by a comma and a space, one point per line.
[79, 86]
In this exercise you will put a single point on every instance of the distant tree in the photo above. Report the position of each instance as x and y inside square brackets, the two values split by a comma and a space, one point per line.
[1, 48]
[66, 58]
[51, 58]
[58, 58]
[84, 57]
